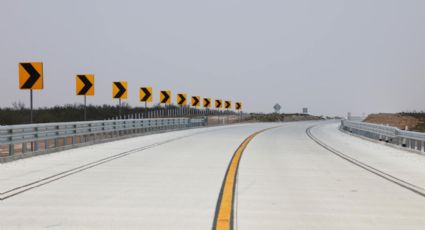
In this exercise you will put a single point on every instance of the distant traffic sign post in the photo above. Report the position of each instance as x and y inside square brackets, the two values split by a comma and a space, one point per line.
[31, 78]
[207, 103]
[165, 97]
[119, 91]
[228, 105]
[218, 104]
[238, 105]
[146, 95]
[196, 101]
[277, 108]
[84, 85]
[182, 99]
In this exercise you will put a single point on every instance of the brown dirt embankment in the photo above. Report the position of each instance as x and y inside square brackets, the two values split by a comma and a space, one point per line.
[396, 120]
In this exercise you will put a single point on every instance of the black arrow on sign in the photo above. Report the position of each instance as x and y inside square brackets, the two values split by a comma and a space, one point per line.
[147, 94]
[87, 85]
[207, 102]
[182, 99]
[121, 90]
[166, 96]
[238, 106]
[218, 103]
[34, 75]
[227, 105]
[195, 101]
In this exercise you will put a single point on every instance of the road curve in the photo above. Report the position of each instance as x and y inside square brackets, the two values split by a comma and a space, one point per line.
[284, 180]
[287, 181]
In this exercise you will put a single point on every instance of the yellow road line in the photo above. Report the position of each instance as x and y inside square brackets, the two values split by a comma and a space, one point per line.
[223, 219]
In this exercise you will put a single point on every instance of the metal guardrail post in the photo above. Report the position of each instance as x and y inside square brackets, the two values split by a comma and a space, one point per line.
[74, 131]
[121, 123]
[403, 142]
[56, 139]
[11, 146]
[46, 145]
[11, 149]
[36, 145]
[65, 141]
[115, 128]
[418, 145]
[24, 147]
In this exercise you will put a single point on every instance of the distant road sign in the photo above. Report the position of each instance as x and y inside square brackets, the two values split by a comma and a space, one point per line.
[84, 85]
[227, 104]
[277, 108]
[165, 97]
[218, 104]
[207, 102]
[31, 75]
[196, 101]
[238, 105]
[146, 94]
[182, 99]
[119, 90]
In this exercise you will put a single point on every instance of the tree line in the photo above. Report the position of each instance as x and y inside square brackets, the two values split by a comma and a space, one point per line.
[19, 114]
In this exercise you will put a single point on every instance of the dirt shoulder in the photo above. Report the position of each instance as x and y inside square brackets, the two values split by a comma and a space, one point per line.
[413, 122]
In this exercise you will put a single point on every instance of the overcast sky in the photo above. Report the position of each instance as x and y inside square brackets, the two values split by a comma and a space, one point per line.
[332, 56]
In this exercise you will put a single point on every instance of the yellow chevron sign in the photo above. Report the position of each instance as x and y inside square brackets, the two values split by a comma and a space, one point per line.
[196, 101]
[31, 75]
[182, 99]
[145, 94]
[165, 97]
[238, 105]
[207, 102]
[227, 104]
[84, 85]
[119, 90]
[218, 104]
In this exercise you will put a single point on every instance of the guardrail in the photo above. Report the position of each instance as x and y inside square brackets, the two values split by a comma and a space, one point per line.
[21, 141]
[389, 134]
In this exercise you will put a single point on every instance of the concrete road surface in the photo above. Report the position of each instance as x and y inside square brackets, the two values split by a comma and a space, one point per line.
[173, 180]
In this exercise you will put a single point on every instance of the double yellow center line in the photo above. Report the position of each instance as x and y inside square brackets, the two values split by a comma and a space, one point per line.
[223, 219]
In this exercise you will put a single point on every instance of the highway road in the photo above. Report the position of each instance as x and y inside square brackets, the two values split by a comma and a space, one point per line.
[299, 175]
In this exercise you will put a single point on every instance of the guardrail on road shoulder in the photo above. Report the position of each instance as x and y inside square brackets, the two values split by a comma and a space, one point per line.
[21, 141]
[389, 134]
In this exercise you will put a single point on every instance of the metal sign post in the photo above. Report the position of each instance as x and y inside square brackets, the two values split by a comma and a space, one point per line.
[30, 78]
[84, 86]
[145, 95]
[31, 107]
[277, 108]
[119, 107]
[85, 108]
[119, 91]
